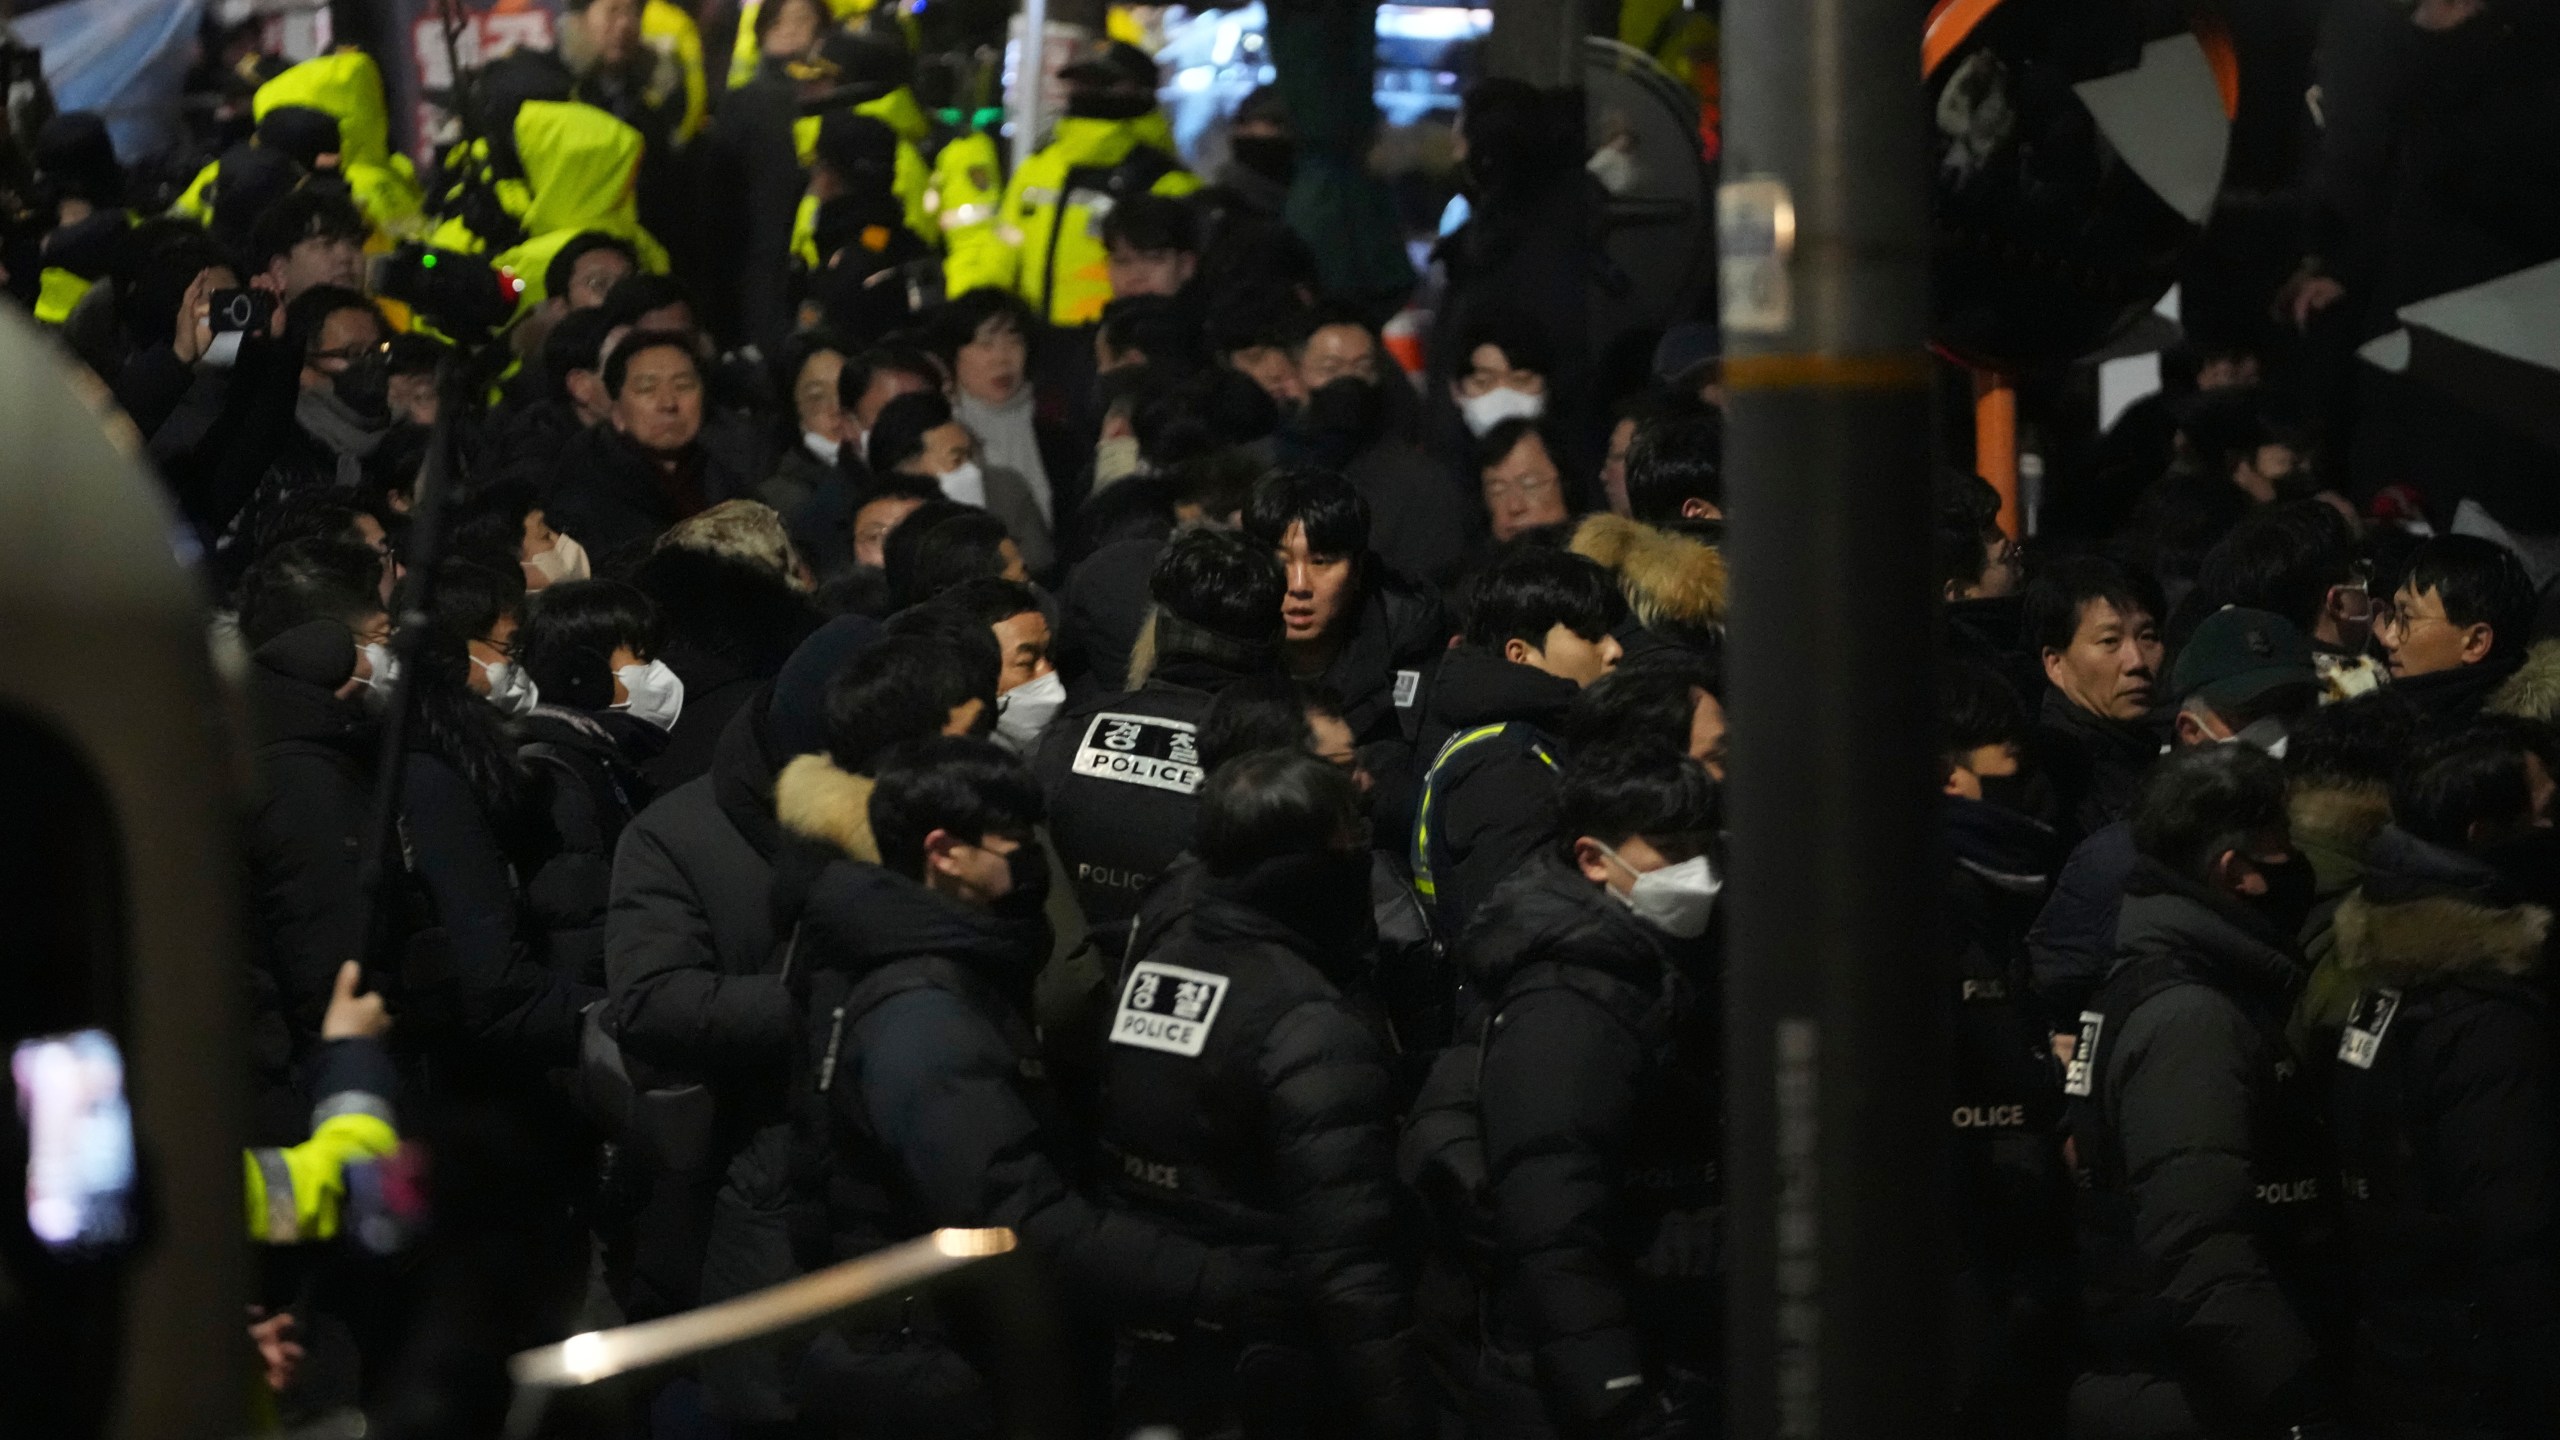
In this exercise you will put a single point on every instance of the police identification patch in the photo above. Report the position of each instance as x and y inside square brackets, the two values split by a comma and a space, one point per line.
[1408, 687]
[2080, 1072]
[2361, 1041]
[1168, 1008]
[1141, 750]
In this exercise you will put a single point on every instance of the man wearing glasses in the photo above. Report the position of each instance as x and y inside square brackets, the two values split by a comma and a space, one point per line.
[2456, 629]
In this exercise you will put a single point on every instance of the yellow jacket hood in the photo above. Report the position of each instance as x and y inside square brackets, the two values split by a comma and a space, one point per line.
[347, 85]
[581, 164]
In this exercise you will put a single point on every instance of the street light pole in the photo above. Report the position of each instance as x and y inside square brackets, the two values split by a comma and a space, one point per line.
[1834, 1013]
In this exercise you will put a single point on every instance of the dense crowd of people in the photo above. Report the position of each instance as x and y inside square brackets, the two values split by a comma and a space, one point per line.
[944, 699]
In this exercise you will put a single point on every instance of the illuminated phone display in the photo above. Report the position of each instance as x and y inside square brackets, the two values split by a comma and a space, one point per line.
[80, 1166]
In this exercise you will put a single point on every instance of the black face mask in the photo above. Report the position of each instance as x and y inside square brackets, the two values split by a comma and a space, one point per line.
[1109, 104]
[1028, 865]
[2013, 793]
[2291, 892]
[1341, 419]
[1273, 157]
[365, 387]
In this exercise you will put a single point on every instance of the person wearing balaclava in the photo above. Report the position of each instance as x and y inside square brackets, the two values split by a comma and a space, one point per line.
[1113, 132]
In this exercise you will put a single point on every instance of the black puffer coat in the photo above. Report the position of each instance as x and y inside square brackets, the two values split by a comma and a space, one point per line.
[924, 1108]
[2094, 764]
[1490, 803]
[2012, 1197]
[2447, 1103]
[2207, 1242]
[587, 765]
[1249, 1102]
[1606, 1205]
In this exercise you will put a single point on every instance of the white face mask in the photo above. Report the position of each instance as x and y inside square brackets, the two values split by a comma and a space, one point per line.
[566, 560]
[510, 689]
[657, 693]
[384, 671]
[824, 447]
[1676, 899]
[966, 484]
[1025, 710]
[1498, 404]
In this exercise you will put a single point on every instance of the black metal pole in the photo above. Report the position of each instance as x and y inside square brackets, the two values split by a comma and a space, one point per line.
[1834, 1128]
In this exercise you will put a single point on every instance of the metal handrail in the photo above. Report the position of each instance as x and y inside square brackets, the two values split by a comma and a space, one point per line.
[601, 1355]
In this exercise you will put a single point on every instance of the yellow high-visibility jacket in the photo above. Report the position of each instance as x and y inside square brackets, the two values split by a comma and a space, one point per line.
[966, 199]
[899, 111]
[296, 1193]
[667, 29]
[1054, 208]
[348, 85]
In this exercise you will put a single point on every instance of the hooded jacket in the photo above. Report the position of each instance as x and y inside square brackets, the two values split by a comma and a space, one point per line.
[925, 1107]
[1056, 201]
[2446, 1098]
[1604, 1197]
[2534, 690]
[1490, 802]
[2206, 1245]
[583, 167]
[1674, 584]
[347, 84]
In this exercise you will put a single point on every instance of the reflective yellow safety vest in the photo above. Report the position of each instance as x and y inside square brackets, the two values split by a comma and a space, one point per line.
[1426, 856]
[348, 85]
[966, 200]
[1055, 205]
[667, 29]
[295, 1193]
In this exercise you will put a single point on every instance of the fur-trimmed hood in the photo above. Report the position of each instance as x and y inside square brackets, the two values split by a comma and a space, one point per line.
[2534, 690]
[816, 801]
[2437, 937]
[1668, 578]
[2341, 817]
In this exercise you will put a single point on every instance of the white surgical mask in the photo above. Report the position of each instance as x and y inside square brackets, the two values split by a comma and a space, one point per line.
[657, 693]
[966, 484]
[510, 689]
[2267, 734]
[566, 560]
[1676, 899]
[1025, 710]
[1498, 404]
[384, 671]
[825, 447]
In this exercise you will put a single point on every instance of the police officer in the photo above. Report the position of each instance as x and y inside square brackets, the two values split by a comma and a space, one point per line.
[1112, 144]
[1122, 771]
[2205, 1248]
[1247, 1100]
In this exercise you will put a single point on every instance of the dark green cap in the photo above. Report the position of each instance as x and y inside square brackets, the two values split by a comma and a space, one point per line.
[2237, 656]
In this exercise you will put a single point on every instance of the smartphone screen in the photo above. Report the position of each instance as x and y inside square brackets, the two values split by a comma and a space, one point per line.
[80, 1171]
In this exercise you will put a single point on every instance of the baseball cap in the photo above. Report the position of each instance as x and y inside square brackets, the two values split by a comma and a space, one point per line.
[1113, 64]
[2239, 656]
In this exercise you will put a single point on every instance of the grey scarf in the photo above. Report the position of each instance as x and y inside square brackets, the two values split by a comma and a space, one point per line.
[1007, 441]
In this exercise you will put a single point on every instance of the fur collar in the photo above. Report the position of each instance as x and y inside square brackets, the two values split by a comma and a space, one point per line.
[815, 800]
[2438, 937]
[2534, 690]
[2346, 816]
[1667, 577]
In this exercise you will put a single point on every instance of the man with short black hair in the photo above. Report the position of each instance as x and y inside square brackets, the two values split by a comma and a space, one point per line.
[1029, 693]
[1247, 1008]
[2446, 1096]
[2297, 558]
[1675, 470]
[1122, 770]
[1154, 246]
[1603, 1307]
[1346, 619]
[1539, 634]
[618, 485]
[931, 1107]
[585, 270]
[1667, 695]
[314, 236]
[2202, 1157]
[2458, 626]
[2096, 630]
